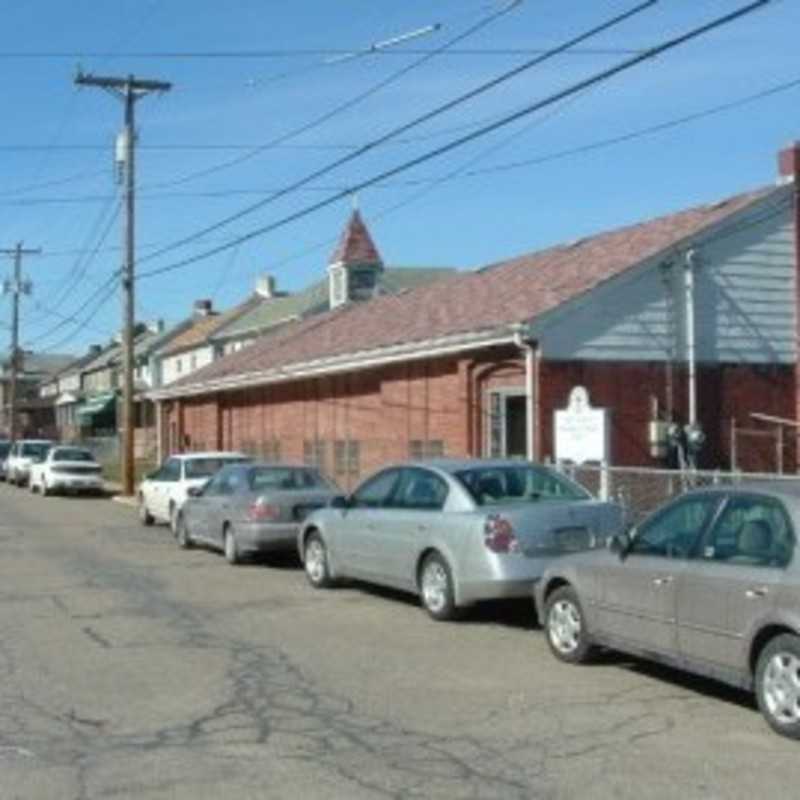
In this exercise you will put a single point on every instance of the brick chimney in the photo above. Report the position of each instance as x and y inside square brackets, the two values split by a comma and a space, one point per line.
[789, 163]
[202, 308]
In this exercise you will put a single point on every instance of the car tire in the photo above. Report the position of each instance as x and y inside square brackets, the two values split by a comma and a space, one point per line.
[182, 535]
[229, 546]
[777, 684]
[315, 562]
[145, 517]
[436, 588]
[31, 487]
[565, 627]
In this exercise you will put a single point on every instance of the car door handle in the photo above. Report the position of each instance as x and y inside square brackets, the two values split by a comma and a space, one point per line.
[664, 581]
[756, 591]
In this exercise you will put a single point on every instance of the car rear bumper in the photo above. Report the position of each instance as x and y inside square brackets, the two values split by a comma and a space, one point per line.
[74, 483]
[255, 536]
[506, 577]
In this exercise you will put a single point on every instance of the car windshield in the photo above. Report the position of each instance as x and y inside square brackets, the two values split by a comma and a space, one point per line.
[4, 448]
[501, 485]
[72, 454]
[206, 467]
[262, 478]
[35, 449]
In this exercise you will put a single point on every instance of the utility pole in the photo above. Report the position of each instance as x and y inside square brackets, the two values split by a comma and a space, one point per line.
[15, 288]
[129, 90]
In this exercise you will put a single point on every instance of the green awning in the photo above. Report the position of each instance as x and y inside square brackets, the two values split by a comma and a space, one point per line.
[94, 406]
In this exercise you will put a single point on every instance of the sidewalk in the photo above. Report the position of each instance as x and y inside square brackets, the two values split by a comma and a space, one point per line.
[113, 491]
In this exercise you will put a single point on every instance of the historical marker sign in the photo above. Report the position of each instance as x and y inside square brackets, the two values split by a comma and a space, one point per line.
[581, 432]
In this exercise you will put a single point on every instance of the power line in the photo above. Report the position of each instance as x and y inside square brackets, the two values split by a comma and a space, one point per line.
[352, 102]
[305, 52]
[369, 146]
[575, 88]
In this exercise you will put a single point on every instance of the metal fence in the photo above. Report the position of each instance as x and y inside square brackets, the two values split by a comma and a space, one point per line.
[640, 490]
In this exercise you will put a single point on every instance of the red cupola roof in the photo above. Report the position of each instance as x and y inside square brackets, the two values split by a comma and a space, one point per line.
[356, 245]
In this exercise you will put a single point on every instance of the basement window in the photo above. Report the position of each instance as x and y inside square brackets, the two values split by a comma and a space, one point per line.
[346, 457]
[314, 453]
[420, 449]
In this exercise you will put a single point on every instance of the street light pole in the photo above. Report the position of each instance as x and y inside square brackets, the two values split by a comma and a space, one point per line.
[129, 90]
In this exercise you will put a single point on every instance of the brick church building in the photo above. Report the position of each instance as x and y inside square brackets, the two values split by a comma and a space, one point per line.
[690, 316]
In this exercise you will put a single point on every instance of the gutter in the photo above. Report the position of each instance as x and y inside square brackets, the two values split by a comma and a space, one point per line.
[348, 362]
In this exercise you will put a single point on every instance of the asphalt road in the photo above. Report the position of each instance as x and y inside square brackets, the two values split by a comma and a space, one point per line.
[130, 669]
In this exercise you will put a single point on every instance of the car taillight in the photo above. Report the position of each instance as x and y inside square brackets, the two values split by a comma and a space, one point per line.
[499, 536]
[259, 512]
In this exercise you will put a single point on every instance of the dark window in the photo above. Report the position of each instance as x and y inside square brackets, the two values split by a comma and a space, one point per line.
[500, 485]
[35, 450]
[264, 478]
[377, 491]
[72, 454]
[674, 531]
[420, 490]
[206, 467]
[751, 531]
[171, 471]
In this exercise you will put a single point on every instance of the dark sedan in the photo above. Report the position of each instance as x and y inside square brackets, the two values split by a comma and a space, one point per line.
[246, 508]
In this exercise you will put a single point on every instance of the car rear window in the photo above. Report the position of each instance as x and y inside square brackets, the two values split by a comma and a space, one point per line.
[262, 478]
[34, 450]
[72, 454]
[206, 467]
[501, 485]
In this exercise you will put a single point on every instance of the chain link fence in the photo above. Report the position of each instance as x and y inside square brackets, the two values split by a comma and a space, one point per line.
[640, 490]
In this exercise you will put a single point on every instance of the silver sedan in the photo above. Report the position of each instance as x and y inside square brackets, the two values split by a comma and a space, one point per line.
[454, 532]
[247, 508]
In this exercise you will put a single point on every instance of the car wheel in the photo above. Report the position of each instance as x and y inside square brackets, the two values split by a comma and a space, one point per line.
[565, 627]
[229, 544]
[182, 535]
[31, 487]
[436, 588]
[145, 516]
[315, 562]
[778, 684]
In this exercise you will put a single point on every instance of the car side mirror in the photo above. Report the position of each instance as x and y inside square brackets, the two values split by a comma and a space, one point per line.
[620, 544]
[340, 501]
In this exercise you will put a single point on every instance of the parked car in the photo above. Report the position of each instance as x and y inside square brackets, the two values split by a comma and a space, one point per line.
[5, 448]
[66, 469]
[162, 493]
[454, 532]
[22, 456]
[709, 583]
[246, 508]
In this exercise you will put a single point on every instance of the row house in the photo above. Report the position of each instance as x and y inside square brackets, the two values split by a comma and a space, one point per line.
[690, 318]
[35, 411]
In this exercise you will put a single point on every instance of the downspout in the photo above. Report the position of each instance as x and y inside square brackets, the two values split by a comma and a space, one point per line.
[159, 431]
[691, 263]
[530, 348]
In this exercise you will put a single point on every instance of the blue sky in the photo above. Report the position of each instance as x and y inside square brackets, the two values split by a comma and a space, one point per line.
[229, 96]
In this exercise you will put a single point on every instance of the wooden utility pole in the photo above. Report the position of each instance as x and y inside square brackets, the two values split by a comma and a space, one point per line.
[15, 287]
[129, 90]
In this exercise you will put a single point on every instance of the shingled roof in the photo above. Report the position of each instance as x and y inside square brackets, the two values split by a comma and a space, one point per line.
[356, 245]
[502, 294]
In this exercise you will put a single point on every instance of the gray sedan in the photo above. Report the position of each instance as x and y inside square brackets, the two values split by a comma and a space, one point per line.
[454, 532]
[247, 508]
[710, 583]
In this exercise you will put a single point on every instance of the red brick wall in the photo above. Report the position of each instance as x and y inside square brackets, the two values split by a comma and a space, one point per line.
[444, 400]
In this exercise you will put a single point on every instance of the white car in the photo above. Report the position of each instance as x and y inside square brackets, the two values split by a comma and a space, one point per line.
[163, 493]
[23, 455]
[67, 469]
